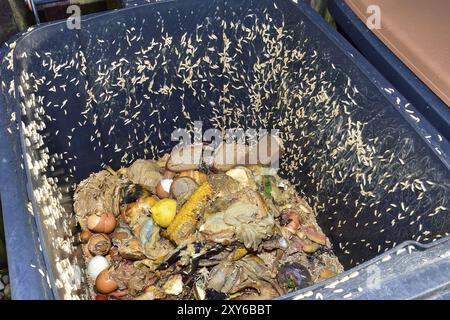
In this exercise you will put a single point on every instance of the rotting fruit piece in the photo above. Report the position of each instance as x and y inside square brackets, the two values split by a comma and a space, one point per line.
[166, 230]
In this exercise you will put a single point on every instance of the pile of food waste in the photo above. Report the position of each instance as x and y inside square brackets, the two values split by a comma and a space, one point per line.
[164, 229]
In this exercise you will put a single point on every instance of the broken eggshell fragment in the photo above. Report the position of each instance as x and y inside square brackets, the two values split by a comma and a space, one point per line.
[104, 282]
[96, 265]
[102, 222]
[85, 235]
[128, 245]
[99, 244]
[163, 188]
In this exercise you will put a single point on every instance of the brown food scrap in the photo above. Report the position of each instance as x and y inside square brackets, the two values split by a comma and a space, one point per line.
[238, 253]
[130, 278]
[310, 247]
[291, 220]
[326, 273]
[145, 172]
[312, 234]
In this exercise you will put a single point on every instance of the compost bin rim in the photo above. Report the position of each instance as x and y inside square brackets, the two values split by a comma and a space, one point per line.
[32, 277]
[365, 68]
[444, 242]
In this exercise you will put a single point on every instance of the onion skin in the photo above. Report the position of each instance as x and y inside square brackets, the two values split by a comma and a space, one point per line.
[104, 284]
[312, 234]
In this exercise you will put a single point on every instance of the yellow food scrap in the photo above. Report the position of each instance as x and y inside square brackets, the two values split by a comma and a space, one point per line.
[164, 211]
[185, 221]
[238, 253]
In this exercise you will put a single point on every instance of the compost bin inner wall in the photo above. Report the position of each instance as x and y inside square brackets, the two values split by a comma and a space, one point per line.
[114, 91]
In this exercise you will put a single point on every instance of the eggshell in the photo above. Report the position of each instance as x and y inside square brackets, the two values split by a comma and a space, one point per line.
[102, 223]
[97, 265]
[104, 283]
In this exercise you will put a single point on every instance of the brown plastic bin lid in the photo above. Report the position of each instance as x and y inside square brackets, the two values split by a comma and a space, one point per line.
[418, 32]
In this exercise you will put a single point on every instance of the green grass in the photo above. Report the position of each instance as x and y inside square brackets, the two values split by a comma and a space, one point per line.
[321, 7]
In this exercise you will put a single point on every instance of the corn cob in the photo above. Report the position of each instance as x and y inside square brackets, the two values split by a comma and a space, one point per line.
[185, 221]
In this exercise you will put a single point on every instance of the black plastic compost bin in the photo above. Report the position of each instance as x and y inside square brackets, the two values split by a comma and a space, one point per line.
[113, 91]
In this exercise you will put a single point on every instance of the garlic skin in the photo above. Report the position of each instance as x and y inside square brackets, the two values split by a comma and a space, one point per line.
[97, 265]
[102, 223]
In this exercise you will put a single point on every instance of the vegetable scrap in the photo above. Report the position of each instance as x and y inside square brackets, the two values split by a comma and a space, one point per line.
[165, 229]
